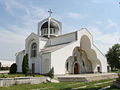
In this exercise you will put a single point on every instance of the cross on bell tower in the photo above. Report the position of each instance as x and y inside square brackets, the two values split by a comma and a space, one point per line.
[50, 12]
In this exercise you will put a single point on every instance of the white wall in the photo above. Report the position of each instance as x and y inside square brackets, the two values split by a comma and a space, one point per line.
[33, 38]
[59, 57]
[19, 60]
[37, 62]
[42, 43]
[45, 67]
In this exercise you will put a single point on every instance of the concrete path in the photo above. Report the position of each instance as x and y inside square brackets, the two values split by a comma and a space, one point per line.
[103, 82]
[104, 88]
[79, 88]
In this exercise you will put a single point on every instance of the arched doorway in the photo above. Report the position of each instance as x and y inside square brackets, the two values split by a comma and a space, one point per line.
[76, 68]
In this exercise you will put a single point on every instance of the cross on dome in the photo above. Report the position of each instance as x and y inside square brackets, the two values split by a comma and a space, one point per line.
[50, 12]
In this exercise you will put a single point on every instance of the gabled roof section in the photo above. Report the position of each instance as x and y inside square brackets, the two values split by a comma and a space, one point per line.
[31, 35]
[53, 48]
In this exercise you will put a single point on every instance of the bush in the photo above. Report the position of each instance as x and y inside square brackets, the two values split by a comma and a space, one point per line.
[13, 68]
[5, 68]
[25, 67]
[51, 73]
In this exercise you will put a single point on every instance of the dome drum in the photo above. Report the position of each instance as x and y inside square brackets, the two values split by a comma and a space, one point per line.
[53, 31]
[50, 27]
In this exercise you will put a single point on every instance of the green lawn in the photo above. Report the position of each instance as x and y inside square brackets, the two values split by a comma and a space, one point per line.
[64, 86]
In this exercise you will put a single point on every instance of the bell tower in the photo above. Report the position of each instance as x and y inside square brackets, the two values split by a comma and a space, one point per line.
[49, 27]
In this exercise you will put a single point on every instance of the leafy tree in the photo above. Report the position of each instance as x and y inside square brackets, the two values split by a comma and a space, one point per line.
[113, 57]
[13, 68]
[0, 65]
[25, 67]
[51, 73]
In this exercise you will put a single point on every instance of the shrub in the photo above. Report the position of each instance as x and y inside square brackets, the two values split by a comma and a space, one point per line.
[25, 67]
[51, 73]
[13, 68]
[5, 68]
[3, 76]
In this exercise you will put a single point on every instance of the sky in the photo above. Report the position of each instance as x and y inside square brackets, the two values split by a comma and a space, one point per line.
[19, 18]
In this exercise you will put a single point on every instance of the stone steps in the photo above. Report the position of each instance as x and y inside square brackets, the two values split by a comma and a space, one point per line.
[86, 77]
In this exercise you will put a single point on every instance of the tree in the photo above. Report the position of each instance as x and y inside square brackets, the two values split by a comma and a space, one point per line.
[113, 57]
[25, 67]
[51, 73]
[0, 65]
[13, 68]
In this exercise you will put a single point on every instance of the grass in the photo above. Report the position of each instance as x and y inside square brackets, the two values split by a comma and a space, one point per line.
[63, 86]
[116, 71]
[17, 75]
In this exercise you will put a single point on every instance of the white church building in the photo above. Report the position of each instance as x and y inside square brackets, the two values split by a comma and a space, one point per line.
[71, 53]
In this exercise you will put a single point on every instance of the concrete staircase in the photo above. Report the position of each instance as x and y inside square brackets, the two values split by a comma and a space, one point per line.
[86, 77]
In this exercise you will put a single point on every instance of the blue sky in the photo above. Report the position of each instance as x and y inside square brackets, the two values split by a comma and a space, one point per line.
[18, 18]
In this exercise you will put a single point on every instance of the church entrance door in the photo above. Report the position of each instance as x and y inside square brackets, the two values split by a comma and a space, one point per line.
[76, 68]
[33, 68]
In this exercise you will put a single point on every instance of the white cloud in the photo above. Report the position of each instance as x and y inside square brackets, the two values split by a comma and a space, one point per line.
[111, 24]
[34, 15]
[12, 37]
[11, 5]
[11, 42]
[74, 15]
[104, 41]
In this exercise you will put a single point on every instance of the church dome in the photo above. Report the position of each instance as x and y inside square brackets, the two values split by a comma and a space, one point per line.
[52, 25]
[49, 28]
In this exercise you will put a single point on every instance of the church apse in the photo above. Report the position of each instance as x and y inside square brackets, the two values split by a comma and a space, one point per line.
[78, 63]
[84, 59]
[86, 45]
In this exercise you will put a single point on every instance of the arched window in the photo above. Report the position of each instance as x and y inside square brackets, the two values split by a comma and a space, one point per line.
[34, 50]
[67, 64]
[42, 32]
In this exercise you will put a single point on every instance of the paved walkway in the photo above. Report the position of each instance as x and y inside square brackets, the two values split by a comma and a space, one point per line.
[104, 88]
